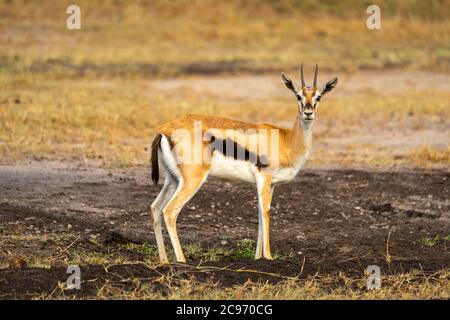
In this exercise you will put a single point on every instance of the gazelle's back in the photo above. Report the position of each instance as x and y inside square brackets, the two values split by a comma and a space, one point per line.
[207, 122]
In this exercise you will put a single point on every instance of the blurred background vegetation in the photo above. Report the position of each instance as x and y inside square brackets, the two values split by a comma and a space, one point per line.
[148, 38]
[94, 93]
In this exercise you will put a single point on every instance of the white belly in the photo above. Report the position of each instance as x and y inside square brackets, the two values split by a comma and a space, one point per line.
[231, 169]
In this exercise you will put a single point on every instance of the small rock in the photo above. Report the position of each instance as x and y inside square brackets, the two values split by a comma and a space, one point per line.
[381, 207]
[343, 215]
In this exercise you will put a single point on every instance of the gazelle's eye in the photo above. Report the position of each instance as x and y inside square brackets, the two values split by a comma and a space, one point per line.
[318, 98]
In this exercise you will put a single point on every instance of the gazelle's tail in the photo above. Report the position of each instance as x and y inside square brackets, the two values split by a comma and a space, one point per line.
[155, 166]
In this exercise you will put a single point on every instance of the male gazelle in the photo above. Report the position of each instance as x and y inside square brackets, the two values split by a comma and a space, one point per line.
[183, 179]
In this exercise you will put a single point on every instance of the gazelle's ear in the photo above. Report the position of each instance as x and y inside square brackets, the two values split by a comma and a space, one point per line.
[289, 83]
[329, 86]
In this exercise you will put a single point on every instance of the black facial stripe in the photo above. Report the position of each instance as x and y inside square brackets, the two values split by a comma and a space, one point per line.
[299, 98]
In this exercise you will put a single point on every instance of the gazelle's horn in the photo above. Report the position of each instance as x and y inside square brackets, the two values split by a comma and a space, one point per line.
[302, 77]
[315, 77]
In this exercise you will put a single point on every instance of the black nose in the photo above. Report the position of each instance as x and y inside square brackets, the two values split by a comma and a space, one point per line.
[308, 113]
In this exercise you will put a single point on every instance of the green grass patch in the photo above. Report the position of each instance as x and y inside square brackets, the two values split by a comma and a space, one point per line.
[433, 241]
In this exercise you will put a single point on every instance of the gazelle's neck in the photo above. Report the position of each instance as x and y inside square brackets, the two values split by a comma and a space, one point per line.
[301, 134]
[307, 130]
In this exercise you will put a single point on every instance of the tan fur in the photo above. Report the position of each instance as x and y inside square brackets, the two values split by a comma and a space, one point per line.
[309, 94]
[291, 141]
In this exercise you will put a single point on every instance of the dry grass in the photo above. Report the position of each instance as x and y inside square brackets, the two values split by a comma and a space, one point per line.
[135, 39]
[427, 156]
[414, 285]
[174, 284]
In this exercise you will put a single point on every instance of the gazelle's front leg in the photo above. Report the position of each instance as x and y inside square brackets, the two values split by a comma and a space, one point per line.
[265, 190]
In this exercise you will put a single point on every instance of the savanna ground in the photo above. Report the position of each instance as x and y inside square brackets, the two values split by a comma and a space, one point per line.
[77, 113]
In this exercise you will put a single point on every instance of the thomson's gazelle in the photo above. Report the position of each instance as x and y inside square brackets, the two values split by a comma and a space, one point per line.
[194, 146]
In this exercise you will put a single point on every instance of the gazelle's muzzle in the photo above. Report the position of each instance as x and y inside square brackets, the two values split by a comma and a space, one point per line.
[308, 113]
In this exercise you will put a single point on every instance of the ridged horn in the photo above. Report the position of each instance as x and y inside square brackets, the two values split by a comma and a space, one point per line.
[315, 77]
[302, 77]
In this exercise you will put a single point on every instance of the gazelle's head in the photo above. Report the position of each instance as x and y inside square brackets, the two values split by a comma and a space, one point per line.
[308, 97]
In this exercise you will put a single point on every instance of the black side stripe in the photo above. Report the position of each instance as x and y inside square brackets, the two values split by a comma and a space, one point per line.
[231, 148]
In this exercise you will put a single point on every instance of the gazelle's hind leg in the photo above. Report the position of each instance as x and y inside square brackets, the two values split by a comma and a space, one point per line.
[190, 180]
[164, 196]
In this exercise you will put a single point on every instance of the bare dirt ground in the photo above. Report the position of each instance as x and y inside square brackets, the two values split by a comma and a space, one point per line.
[325, 222]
